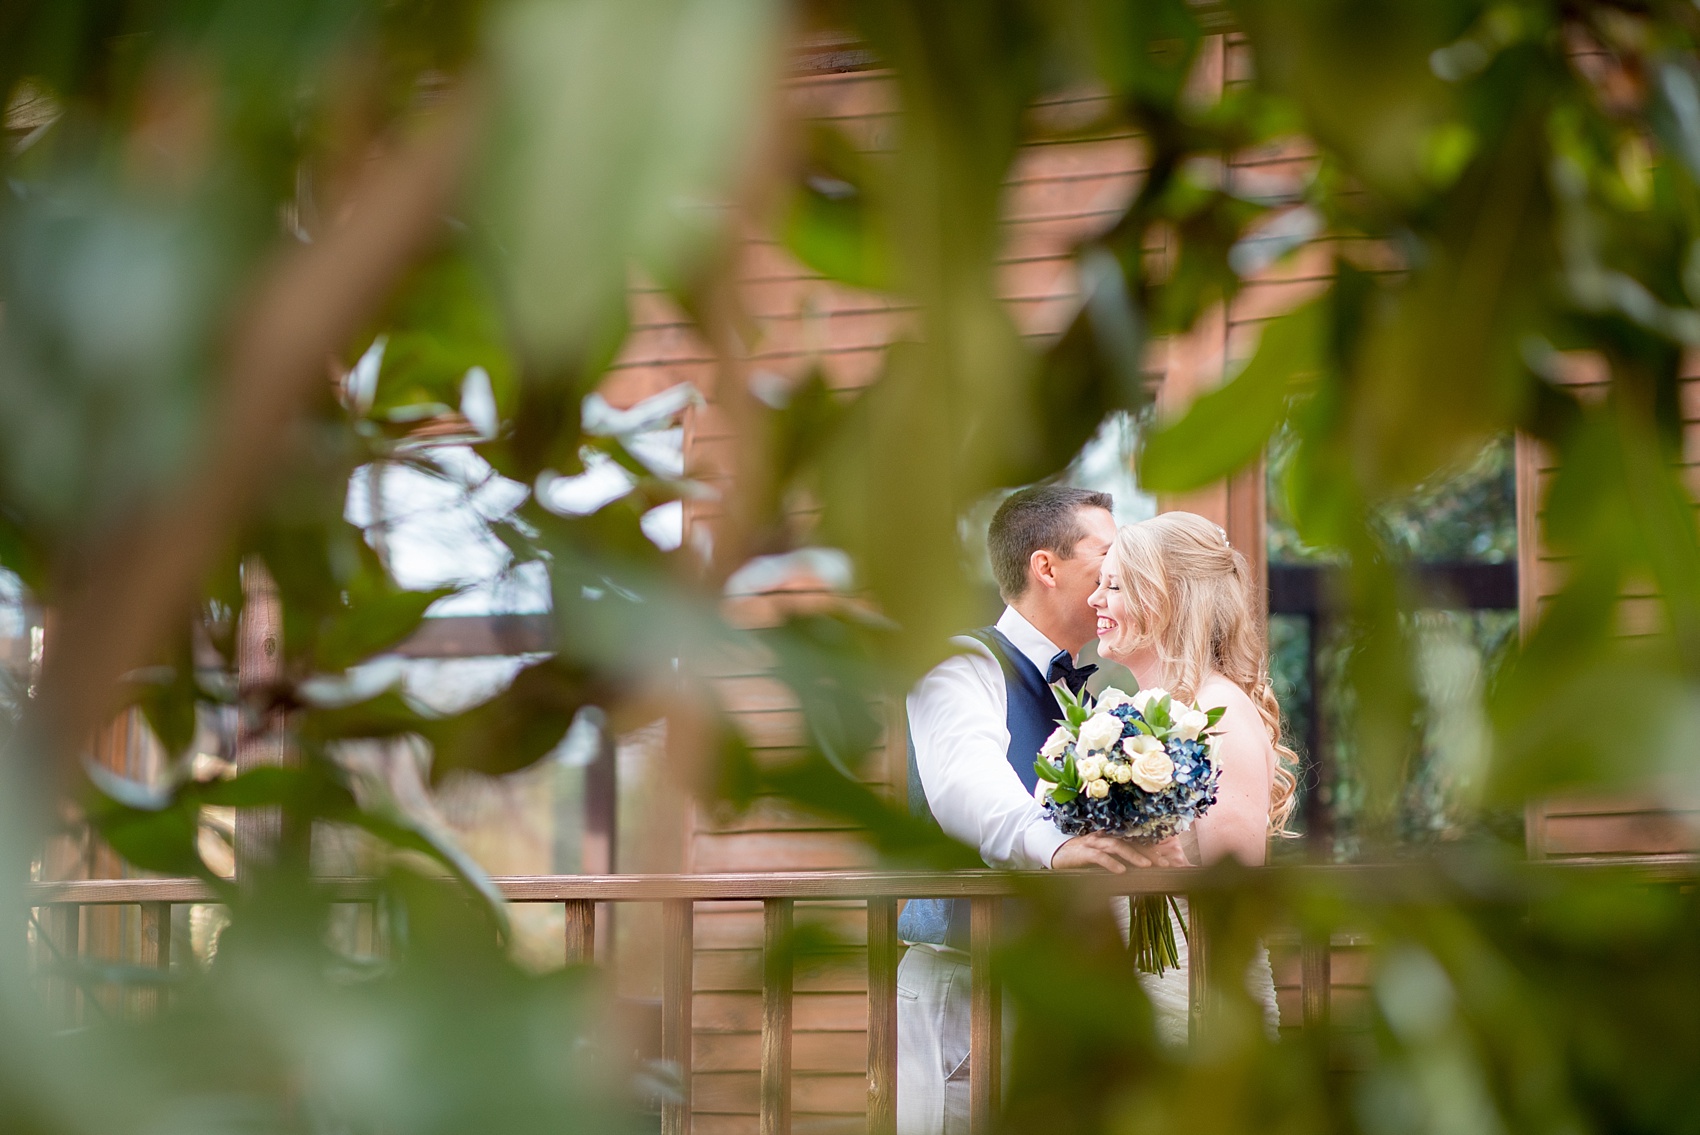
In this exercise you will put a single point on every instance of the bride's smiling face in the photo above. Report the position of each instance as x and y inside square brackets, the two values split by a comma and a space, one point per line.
[1119, 624]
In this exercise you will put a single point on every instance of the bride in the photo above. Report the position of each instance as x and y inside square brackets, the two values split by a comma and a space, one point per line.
[1176, 606]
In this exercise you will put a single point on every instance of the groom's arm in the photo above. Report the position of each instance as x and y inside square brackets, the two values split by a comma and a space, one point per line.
[956, 720]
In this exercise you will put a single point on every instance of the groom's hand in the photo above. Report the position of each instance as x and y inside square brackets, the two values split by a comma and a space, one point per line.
[1114, 854]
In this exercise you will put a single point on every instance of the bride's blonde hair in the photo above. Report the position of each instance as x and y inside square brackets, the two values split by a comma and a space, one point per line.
[1193, 595]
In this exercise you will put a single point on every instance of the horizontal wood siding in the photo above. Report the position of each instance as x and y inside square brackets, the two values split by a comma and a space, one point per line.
[1058, 194]
[1649, 823]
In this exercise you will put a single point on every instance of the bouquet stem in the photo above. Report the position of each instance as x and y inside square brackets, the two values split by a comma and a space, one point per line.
[1151, 936]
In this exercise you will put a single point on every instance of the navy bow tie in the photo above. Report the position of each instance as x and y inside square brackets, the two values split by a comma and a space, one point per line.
[1063, 667]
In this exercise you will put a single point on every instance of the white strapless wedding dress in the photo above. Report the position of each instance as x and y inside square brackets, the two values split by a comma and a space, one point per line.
[1171, 996]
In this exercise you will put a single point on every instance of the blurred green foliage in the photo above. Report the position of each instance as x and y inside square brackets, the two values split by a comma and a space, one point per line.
[1505, 191]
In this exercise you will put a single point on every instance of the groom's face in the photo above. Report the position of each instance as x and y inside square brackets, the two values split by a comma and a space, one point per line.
[1077, 576]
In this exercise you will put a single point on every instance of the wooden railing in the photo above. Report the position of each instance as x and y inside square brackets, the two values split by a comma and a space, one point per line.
[59, 907]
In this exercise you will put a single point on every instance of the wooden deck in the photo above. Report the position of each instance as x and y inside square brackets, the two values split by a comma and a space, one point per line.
[1320, 979]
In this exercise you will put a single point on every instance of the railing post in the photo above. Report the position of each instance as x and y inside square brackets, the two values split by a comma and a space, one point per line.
[883, 952]
[156, 952]
[985, 1035]
[1200, 999]
[1316, 979]
[259, 742]
[581, 932]
[776, 1017]
[64, 929]
[678, 944]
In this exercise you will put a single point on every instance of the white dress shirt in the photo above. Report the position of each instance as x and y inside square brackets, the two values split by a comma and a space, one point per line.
[957, 720]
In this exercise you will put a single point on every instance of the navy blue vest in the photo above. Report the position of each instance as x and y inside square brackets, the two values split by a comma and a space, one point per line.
[1031, 715]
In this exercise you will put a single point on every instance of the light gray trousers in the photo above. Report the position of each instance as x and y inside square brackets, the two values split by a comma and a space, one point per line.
[933, 1007]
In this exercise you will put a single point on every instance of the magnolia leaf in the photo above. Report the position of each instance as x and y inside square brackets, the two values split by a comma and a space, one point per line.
[1227, 428]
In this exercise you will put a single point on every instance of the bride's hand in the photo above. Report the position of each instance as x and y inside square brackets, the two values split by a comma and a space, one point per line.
[1115, 854]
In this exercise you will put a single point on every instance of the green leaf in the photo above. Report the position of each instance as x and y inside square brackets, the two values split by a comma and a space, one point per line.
[372, 624]
[1226, 429]
[291, 787]
[150, 828]
[386, 715]
[1212, 716]
[168, 696]
[1064, 795]
[620, 126]
[442, 322]
[1047, 771]
[832, 226]
[515, 728]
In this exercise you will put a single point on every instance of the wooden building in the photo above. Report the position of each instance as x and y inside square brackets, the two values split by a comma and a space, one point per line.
[1058, 193]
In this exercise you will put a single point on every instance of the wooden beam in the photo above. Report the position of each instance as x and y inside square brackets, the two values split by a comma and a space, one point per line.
[884, 951]
[1316, 980]
[479, 636]
[64, 933]
[678, 944]
[1364, 881]
[1200, 1006]
[260, 741]
[776, 1017]
[1309, 589]
[1527, 463]
[580, 932]
[156, 954]
[985, 1027]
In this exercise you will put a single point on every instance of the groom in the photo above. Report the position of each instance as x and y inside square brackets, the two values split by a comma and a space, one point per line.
[976, 722]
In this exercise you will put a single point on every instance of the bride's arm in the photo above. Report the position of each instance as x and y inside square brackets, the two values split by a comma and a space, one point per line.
[1238, 823]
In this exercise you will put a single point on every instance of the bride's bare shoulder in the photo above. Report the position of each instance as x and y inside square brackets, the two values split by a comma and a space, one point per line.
[1219, 691]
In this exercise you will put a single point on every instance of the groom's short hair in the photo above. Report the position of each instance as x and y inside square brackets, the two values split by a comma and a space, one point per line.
[1041, 517]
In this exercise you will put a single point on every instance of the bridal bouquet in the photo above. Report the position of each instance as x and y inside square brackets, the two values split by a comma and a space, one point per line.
[1134, 765]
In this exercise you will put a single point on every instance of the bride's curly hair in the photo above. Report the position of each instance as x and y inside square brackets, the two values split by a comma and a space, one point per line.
[1194, 593]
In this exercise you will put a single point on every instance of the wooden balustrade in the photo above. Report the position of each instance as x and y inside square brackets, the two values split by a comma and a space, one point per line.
[60, 904]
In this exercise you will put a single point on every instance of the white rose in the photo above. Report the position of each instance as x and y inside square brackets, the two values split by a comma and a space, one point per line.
[1056, 742]
[1140, 744]
[1144, 698]
[1190, 724]
[1153, 771]
[1098, 789]
[1089, 767]
[1111, 698]
[1100, 732]
[1123, 772]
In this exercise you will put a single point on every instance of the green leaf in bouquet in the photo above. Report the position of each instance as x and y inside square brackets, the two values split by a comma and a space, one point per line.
[1047, 771]
[1070, 772]
[1157, 713]
[1064, 795]
[1074, 709]
[1212, 716]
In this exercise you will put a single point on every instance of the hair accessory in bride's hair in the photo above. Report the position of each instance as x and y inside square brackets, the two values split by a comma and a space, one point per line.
[1223, 532]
